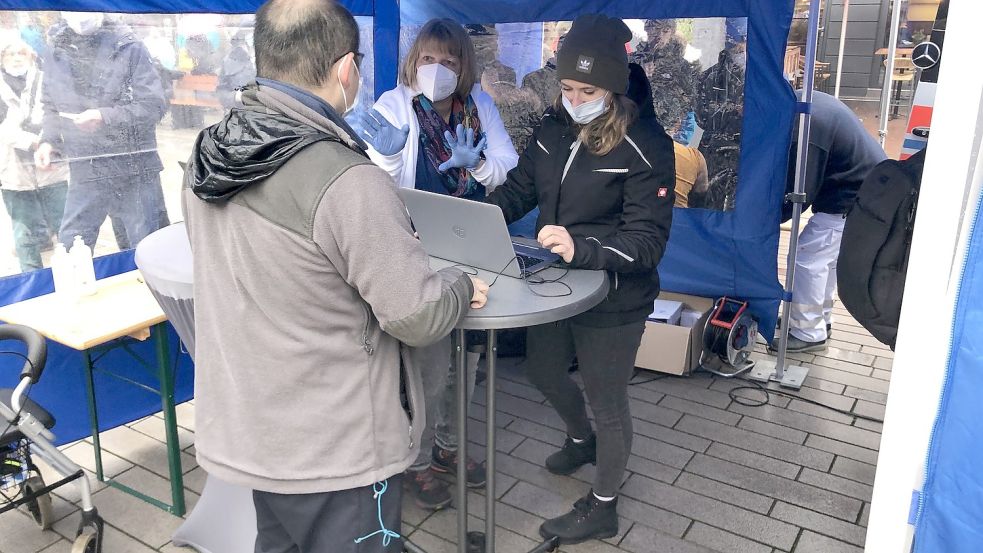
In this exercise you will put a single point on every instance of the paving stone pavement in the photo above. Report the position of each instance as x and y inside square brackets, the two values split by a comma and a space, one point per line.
[707, 474]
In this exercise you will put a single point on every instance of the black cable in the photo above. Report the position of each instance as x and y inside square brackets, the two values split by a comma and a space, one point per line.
[757, 387]
[527, 278]
[633, 382]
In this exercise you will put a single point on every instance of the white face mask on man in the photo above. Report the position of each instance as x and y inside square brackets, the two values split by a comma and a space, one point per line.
[83, 23]
[587, 111]
[344, 95]
[435, 81]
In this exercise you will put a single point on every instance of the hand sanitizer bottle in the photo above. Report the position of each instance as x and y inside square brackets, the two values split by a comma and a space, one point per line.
[63, 273]
[85, 274]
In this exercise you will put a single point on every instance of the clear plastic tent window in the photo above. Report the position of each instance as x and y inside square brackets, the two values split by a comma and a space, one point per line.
[98, 109]
[694, 67]
[726, 246]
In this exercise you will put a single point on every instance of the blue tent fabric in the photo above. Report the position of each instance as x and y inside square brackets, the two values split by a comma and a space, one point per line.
[710, 253]
[952, 495]
[385, 46]
[357, 7]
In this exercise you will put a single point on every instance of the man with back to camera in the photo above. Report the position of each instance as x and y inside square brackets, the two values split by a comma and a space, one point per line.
[841, 153]
[308, 281]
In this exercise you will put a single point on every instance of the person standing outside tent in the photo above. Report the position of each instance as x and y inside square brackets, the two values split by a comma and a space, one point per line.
[841, 153]
[543, 81]
[102, 101]
[690, 167]
[438, 131]
[238, 68]
[308, 283]
[720, 112]
[34, 198]
[603, 180]
[672, 78]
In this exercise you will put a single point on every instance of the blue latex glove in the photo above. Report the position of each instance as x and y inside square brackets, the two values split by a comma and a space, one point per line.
[375, 129]
[464, 152]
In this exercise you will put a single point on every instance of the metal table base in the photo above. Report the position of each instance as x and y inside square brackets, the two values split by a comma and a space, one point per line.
[514, 306]
[479, 542]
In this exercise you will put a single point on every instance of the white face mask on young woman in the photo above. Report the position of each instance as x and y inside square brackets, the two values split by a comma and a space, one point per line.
[435, 81]
[587, 111]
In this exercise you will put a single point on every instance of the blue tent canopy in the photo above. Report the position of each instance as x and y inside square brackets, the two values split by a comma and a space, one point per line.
[710, 253]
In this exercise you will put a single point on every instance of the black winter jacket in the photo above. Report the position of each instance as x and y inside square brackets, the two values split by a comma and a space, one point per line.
[617, 207]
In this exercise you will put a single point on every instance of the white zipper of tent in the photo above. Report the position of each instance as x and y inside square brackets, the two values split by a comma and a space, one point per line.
[917, 515]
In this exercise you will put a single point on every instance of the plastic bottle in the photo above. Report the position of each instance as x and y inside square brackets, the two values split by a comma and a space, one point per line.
[63, 273]
[85, 273]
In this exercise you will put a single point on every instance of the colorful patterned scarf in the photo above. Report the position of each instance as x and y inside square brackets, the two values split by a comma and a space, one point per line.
[458, 182]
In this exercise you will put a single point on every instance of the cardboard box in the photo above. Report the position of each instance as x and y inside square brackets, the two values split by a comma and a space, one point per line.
[674, 349]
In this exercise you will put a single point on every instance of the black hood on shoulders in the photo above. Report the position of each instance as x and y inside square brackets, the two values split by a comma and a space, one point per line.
[245, 147]
[248, 145]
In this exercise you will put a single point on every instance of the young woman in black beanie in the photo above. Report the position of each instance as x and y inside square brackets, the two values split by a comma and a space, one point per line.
[604, 183]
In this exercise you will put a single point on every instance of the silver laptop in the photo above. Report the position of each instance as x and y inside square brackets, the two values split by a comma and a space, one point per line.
[471, 233]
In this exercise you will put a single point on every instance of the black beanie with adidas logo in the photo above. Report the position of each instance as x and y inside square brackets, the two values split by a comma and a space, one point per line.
[593, 52]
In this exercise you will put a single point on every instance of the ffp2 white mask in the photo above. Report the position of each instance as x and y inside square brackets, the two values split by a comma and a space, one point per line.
[435, 81]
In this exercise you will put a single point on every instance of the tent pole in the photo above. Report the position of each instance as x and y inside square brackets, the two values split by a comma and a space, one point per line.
[766, 370]
[892, 46]
[839, 55]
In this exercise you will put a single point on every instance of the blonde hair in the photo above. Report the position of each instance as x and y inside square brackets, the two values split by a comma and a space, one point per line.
[603, 134]
[449, 36]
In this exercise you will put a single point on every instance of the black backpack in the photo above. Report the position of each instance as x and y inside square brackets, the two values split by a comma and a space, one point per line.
[873, 260]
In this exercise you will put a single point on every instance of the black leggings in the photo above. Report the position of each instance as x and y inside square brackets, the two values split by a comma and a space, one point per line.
[606, 357]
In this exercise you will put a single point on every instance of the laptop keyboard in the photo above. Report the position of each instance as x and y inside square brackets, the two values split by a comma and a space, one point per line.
[527, 261]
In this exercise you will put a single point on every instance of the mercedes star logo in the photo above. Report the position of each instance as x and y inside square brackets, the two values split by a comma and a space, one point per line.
[926, 55]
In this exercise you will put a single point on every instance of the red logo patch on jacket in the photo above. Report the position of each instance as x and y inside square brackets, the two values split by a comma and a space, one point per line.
[663, 192]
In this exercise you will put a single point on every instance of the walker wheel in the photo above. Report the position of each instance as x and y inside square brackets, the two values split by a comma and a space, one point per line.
[86, 541]
[39, 506]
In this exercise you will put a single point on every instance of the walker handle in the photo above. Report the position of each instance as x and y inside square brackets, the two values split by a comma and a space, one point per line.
[37, 349]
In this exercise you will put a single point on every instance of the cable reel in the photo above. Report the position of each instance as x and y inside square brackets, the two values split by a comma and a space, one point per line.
[728, 338]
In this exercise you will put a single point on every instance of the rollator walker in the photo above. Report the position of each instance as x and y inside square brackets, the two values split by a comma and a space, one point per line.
[24, 433]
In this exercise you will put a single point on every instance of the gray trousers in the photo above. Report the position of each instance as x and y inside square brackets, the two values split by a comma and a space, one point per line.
[438, 370]
[606, 359]
[330, 521]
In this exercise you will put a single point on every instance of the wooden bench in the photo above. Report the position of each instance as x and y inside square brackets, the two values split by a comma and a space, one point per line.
[196, 90]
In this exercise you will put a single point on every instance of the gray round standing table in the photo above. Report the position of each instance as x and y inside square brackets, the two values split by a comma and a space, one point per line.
[511, 304]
